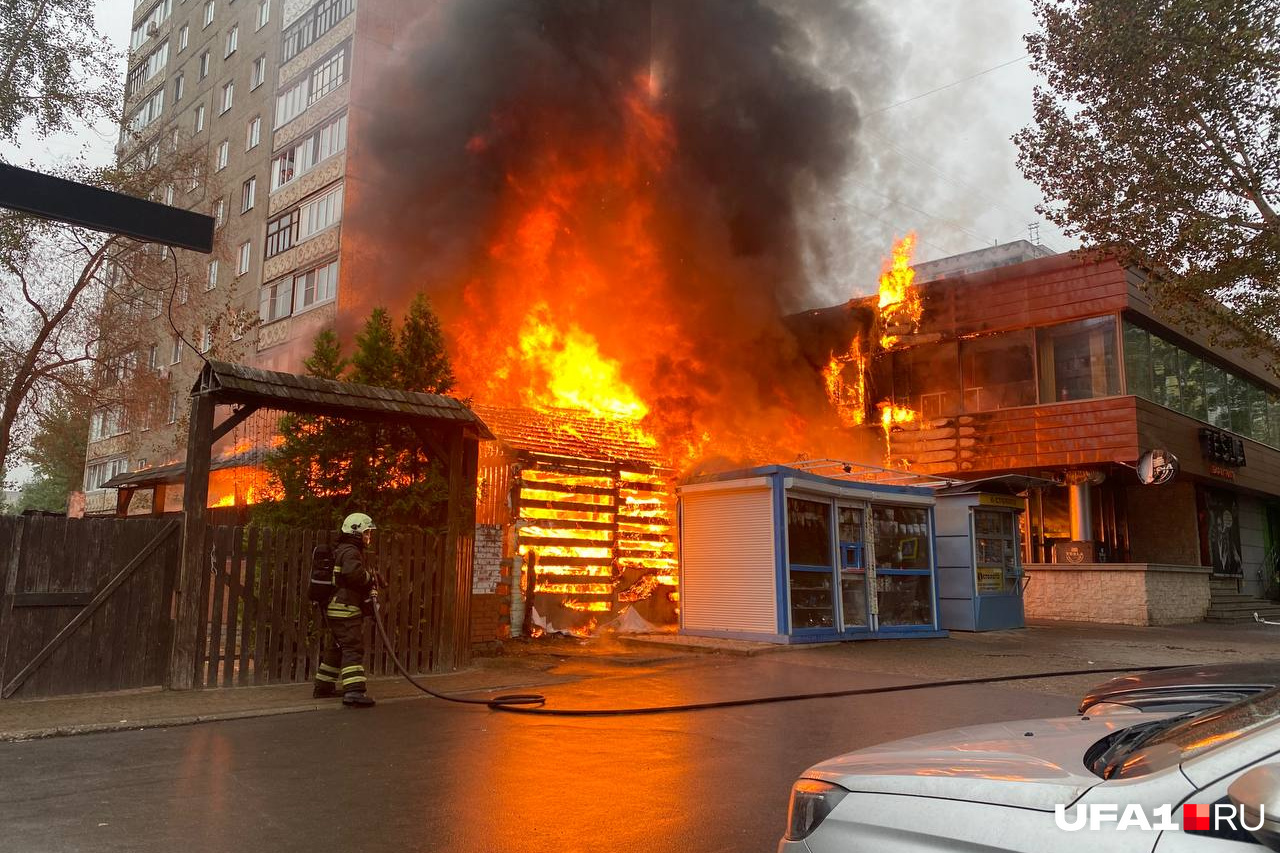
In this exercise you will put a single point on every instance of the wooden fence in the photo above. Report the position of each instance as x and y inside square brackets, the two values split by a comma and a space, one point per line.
[262, 629]
[85, 604]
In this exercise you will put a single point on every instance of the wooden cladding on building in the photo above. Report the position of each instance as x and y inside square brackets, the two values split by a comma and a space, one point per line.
[1079, 433]
[1161, 427]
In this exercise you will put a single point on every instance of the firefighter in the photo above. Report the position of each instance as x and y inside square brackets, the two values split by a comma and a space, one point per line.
[342, 660]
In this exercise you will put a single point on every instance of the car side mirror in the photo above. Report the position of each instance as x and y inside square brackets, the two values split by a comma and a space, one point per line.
[1257, 795]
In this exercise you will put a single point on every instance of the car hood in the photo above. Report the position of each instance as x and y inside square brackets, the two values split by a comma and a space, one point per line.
[1187, 687]
[1034, 764]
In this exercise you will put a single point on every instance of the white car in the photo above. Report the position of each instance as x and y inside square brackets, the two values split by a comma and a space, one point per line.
[1017, 786]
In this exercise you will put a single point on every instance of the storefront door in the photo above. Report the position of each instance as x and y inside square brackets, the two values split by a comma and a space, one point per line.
[853, 567]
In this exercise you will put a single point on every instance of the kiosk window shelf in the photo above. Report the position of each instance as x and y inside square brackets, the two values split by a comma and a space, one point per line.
[811, 600]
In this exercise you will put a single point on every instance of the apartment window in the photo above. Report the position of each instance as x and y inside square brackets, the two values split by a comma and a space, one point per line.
[220, 162]
[199, 118]
[313, 24]
[106, 423]
[300, 158]
[264, 13]
[168, 194]
[182, 292]
[173, 407]
[100, 472]
[150, 24]
[206, 338]
[315, 286]
[233, 41]
[324, 77]
[204, 65]
[254, 135]
[274, 300]
[147, 112]
[178, 88]
[246, 251]
[258, 73]
[146, 70]
[1078, 360]
[304, 222]
[208, 13]
[212, 281]
[219, 212]
[175, 352]
[153, 357]
[228, 95]
[247, 192]
[183, 37]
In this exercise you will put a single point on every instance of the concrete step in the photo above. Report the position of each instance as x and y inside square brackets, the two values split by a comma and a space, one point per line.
[1244, 607]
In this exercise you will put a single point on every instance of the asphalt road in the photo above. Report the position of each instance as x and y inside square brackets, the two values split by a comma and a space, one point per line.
[426, 776]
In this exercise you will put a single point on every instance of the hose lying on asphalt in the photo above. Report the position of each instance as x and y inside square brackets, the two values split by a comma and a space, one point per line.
[532, 703]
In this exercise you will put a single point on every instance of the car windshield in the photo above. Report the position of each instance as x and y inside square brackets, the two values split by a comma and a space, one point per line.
[1149, 747]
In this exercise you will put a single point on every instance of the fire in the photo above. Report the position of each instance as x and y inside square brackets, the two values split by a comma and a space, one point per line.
[566, 370]
[849, 396]
[891, 416]
[900, 304]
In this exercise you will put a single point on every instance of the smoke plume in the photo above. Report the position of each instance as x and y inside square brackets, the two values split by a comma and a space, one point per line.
[651, 178]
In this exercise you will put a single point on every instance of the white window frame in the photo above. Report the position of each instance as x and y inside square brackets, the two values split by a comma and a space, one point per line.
[253, 133]
[312, 150]
[223, 152]
[264, 13]
[209, 11]
[184, 37]
[228, 96]
[246, 257]
[233, 40]
[212, 281]
[219, 212]
[258, 73]
[323, 282]
[248, 193]
[205, 61]
[199, 118]
[179, 87]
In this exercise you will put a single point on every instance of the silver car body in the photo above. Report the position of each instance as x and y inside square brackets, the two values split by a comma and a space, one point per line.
[995, 788]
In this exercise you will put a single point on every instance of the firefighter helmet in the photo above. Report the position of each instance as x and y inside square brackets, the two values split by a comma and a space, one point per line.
[358, 522]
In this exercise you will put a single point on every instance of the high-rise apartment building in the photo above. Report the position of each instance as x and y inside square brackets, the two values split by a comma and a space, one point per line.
[258, 92]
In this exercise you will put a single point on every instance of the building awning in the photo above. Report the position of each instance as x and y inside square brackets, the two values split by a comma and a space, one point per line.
[174, 472]
[1002, 484]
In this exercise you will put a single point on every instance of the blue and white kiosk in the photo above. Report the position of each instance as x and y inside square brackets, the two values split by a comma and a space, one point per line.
[785, 555]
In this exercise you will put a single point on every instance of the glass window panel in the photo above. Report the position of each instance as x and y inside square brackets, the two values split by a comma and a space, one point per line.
[998, 371]
[1258, 417]
[811, 600]
[1078, 360]
[905, 599]
[1166, 387]
[901, 537]
[1217, 402]
[853, 599]
[1191, 369]
[808, 532]
[1238, 394]
[1137, 360]
[924, 379]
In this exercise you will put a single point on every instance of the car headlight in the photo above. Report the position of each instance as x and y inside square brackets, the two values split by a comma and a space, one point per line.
[811, 802]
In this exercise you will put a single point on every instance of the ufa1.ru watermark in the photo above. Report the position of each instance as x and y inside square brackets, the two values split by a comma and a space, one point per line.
[1195, 816]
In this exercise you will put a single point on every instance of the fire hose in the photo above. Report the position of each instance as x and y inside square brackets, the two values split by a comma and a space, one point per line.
[532, 703]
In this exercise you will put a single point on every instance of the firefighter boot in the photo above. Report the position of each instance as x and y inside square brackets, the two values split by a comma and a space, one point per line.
[357, 699]
[323, 691]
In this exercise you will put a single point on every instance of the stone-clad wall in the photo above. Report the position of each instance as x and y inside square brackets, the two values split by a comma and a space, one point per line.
[1118, 593]
[490, 591]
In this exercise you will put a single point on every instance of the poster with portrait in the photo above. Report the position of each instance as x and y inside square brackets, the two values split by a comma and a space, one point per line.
[1224, 532]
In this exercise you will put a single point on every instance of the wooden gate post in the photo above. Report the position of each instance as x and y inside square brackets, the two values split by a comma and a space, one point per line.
[190, 618]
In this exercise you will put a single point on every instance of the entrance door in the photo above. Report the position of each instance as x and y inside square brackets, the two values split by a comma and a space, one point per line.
[853, 568]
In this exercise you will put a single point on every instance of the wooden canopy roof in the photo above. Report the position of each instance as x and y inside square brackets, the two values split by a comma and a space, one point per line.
[239, 384]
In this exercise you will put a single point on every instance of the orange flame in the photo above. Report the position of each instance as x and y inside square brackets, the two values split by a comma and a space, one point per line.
[900, 305]
[848, 395]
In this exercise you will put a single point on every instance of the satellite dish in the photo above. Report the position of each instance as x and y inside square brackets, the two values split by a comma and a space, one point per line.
[1156, 466]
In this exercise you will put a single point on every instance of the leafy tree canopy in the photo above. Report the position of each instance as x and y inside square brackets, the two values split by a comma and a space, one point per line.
[55, 68]
[326, 468]
[57, 448]
[1158, 137]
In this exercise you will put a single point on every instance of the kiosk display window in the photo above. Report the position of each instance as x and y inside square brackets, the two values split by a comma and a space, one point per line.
[809, 555]
[995, 545]
[904, 586]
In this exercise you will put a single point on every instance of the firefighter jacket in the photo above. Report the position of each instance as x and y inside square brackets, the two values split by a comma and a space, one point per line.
[355, 580]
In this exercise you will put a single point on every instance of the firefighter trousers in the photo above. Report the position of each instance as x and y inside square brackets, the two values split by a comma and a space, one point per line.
[342, 656]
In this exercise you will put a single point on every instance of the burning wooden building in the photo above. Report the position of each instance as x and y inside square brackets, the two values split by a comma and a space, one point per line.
[584, 509]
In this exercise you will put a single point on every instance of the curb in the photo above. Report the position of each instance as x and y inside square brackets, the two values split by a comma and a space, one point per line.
[22, 735]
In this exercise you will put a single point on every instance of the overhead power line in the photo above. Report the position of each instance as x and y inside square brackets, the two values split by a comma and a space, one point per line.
[948, 85]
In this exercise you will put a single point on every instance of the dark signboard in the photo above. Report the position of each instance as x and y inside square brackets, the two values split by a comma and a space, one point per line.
[1222, 447]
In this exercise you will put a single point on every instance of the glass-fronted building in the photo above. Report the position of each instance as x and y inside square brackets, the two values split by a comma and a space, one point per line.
[1061, 367]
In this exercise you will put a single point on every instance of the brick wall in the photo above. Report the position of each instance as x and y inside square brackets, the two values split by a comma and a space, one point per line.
[490, 587]
[1118, 593]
